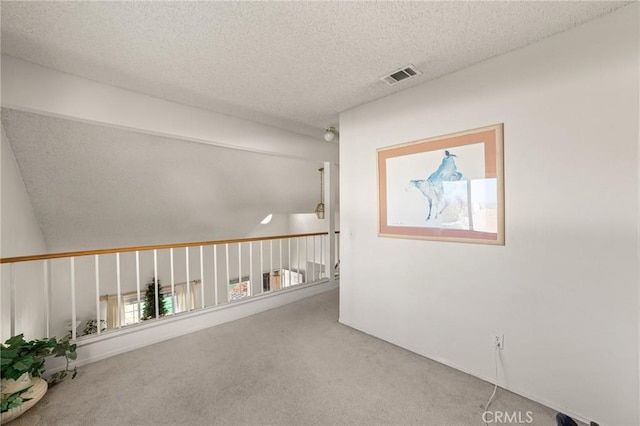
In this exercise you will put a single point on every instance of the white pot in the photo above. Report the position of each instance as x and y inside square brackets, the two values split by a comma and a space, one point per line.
[33, 395]
[12, 386]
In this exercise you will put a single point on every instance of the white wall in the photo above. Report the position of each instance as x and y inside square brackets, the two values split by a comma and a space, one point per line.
[564, 288]
[19, 235]
[279, 225]
[303, 223]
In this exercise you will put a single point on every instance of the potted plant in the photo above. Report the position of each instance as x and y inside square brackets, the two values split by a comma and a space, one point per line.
[23, 363]
[91, 326]
[149, 309]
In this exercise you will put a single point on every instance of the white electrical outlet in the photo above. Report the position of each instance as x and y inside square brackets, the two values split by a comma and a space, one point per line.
[498, 341]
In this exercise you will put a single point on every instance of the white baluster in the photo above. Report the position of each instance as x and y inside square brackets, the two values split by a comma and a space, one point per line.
[215, 275]
[289, 263]
[202, 277]
[306, 258]
[320, 263]
[157, 287]
[240, 269]
[322, 257]
[138, 284]
[186, 254]
[249, 290]
[226, 286]
[73, 298]
[12, 298]
[47, 297]
[261, 269]
[96, 261]
[173, 282]
[298, 257]
[118, 290]
[280, 257]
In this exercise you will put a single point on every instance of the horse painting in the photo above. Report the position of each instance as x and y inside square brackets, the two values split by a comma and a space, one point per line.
[433, 187]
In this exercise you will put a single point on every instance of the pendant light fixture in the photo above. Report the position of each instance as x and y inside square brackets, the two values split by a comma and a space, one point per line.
[320, 206]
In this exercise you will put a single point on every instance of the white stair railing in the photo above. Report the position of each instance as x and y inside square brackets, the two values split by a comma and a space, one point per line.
[89, 293]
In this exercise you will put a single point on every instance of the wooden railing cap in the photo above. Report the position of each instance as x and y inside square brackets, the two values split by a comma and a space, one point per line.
[152, 247]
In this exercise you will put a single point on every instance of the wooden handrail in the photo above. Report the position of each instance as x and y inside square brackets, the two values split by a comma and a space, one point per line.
[156, 247]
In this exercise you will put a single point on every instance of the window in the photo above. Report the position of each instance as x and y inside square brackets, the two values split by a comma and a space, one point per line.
[131, 310]
[237, 290]
[132, 313]
[290, 277]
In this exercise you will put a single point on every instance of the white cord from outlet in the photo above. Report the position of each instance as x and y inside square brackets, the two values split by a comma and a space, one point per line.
[495, 387]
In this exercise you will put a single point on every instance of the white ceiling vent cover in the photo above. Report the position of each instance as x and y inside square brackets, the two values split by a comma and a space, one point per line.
[400, 75]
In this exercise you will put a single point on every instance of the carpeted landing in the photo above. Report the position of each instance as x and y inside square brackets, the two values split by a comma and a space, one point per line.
[295, 365]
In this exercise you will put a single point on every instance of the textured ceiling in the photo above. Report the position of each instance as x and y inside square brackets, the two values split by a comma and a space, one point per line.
[90, 183]
[293, 65]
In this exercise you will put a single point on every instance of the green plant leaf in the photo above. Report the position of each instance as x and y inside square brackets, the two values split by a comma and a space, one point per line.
[13, 400]
[15, 340]
[8, 354]
[57, 378]
[24, 364]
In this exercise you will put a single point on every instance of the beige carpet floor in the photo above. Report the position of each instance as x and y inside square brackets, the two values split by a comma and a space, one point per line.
[294, 365]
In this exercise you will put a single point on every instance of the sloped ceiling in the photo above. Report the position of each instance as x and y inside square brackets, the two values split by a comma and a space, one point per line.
[90, 183]
[294, 65]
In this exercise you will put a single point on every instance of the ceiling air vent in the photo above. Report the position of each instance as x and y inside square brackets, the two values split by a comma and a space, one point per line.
[400, 75]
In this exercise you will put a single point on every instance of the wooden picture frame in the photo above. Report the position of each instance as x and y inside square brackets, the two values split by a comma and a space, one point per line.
[444, 188]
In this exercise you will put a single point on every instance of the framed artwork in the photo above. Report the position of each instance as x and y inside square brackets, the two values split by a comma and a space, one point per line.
[446, 188]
